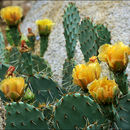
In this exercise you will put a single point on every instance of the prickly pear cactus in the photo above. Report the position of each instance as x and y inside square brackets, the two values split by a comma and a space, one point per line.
[45, 89]
[121, 79]
[26, 63]
[67, 72]
[53, 107]
[40, 66]
[70, 115]
[103, 35]
[3, 69]
[71, 20]
[24, 116]
[13, 35]
[67, 80]
[124, 112]
[91, 37]
[21, 61]
[87, 38]
[2, 47]
[43, 44]
[71, 25]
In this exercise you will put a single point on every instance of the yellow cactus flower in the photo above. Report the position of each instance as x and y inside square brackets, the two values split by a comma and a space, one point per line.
[115, 55]
[83, 74]
[13, 87]
[103, 90]
[11, 14]
[44, 26]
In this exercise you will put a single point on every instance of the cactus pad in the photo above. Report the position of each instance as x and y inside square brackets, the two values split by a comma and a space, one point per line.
[3, 70]
[24, 116]
[75, 110]
[2, 47]
[104, 36]
[91, 37]
[41, 66]
[71, 25]
[124, 112]
[13, 35]
[87, 38]
[45, 90]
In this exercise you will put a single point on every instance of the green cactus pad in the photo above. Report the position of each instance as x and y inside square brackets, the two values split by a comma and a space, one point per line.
[104, 36]
[28, 64]
[12, 57]
[67, 72]
[25, 63]
[122, 81]
[31, 42]
[124, 112]
[3, 70]
[91, 37]
[8, 36]
[75, 110]
[45, 90]
[67, 80]
[48, 110]
[71, 20]
[2, 47]
[21, 61]
[41, 66]
[13, 35]
[87, 38]
[24, 116]
[43, 44]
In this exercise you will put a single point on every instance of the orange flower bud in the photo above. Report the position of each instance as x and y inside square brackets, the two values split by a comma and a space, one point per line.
[24, 47]
[10, 71]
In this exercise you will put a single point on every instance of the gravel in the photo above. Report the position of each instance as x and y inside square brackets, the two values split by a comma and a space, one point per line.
[2, 115]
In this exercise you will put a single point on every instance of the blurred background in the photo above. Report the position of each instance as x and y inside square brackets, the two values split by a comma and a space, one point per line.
[25, 4]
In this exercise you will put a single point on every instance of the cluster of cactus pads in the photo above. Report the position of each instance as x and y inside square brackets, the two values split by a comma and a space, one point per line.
[45, 104]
